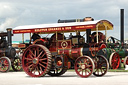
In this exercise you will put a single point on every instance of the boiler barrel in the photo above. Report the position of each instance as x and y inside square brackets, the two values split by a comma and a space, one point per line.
[71, 20]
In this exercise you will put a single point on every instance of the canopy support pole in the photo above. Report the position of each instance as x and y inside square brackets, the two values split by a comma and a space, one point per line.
[106, 34]
[30, 36]
[56, 36]
[22, 37]
[97, 34]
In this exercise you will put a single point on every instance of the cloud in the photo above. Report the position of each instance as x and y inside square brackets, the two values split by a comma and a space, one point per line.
[9, 22]
[27, 12]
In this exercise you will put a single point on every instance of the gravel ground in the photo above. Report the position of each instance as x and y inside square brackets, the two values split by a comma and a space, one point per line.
[69, 78]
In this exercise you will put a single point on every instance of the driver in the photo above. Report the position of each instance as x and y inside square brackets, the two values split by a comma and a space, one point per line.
[35, 36]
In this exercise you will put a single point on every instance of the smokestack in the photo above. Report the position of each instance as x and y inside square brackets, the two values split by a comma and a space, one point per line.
[9, 33]
[122, 25]
[88, 33]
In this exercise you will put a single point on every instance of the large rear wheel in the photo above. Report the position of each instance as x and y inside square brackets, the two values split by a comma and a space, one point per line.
[36, 60]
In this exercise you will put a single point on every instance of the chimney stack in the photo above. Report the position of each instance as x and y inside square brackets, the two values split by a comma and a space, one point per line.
[122, 25]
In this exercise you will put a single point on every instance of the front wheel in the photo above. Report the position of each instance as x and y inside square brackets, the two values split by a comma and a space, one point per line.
[114, 60]
[5, 64]
[101, 66]
[84, 66]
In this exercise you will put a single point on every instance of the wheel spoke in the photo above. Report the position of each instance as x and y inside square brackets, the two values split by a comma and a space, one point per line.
[44, 62]
[38, 70]
[37, 49]
[86, 71]
[35, 53]
[29, 62]
[39, 54]
[30, 65]
[28, 59]
[42, 59]
[80, 70]
[89, 66]
[85, 61]
[6, 64]
[43, 55]
[34, 70]
[32, 53]
[41, 69]
[41, 65]
[30, 56]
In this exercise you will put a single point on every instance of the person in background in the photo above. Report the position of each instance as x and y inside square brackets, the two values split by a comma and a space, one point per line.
[35, 36]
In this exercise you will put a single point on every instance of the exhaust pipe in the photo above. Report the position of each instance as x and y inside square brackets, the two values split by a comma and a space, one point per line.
[122, 25]
[9, 35]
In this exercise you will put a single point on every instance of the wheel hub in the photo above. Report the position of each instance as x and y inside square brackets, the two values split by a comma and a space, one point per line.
[3, 65]
[35, 60]
[83, 66]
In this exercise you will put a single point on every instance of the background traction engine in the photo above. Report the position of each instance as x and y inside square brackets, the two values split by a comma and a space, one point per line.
[117, 51]
[7, 53]
[61, 53]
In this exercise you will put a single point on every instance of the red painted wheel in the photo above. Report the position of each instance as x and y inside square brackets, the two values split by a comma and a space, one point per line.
[126, 60]
[5, 64]
[114, 60]
[36, 60]
[16, 64]
[101, 66]
[84, 66]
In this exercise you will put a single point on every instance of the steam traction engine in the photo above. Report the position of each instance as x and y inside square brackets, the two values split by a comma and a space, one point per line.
[54, 55]
[7, 53]
[116, 51]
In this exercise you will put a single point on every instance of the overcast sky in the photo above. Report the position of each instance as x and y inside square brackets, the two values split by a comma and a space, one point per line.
[29, 12]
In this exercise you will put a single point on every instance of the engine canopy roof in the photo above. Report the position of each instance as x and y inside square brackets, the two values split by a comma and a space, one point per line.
[64, 27]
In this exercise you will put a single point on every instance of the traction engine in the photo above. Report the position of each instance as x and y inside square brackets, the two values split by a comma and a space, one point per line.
[7, 53]
[55, 55]
[116, 51]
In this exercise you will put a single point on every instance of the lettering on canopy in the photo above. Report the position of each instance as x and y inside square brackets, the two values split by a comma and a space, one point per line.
[53, 29]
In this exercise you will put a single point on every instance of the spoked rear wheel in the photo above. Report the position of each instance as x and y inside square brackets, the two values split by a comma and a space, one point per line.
[16, 64]
[101, 66]
[5, 64]
[114, 60]
[36, 60]
[84, 66]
